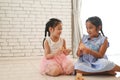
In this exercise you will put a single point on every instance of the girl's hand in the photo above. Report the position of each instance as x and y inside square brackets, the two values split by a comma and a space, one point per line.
[67, 51]
[82, 46]
[84, 49]
[79, 51]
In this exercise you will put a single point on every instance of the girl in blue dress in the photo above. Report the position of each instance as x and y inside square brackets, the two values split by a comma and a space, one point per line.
[91, 52]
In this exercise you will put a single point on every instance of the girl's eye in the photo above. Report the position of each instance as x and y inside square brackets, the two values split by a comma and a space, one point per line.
[60, 29]
[90, 28]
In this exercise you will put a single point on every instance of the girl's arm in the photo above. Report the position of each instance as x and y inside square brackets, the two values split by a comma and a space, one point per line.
[79, 51]
[96, 54]
[65, 50]
[64, 44]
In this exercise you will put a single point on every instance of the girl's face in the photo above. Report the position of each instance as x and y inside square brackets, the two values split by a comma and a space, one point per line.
[92, 30]
[56, 32]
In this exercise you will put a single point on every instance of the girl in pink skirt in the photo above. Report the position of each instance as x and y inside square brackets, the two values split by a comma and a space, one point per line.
[55, 61]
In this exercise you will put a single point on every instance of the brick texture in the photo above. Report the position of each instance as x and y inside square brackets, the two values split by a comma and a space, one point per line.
[22, 24]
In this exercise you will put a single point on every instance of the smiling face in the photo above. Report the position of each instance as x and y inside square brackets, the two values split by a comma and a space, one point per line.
[92, 30]
[56, 31]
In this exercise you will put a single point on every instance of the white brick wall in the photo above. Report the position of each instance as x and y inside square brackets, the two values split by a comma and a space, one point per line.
[22, 24]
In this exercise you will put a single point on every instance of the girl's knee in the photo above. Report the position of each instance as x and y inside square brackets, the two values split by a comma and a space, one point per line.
[54, 71]
[69, 69]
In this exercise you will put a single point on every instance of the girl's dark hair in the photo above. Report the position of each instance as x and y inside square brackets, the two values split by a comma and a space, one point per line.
[53, 22]
[96, 21]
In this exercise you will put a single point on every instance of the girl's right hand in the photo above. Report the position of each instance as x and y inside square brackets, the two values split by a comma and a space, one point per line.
[84, 49]
[79, 51]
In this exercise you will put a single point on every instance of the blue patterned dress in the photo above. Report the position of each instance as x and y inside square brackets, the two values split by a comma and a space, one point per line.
[89, 63]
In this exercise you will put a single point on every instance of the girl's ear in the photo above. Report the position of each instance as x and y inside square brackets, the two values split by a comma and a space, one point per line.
[99, 28]
[50, 29]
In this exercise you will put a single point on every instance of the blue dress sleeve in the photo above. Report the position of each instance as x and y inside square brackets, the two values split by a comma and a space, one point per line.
[84, 38]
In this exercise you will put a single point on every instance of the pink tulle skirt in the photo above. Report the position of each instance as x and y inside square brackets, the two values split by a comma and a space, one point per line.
[60, 62]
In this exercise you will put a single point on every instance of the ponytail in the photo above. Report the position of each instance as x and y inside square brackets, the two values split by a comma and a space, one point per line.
[102, 32]
[46, 31]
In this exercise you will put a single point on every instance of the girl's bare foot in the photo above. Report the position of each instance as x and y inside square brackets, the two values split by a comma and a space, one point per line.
[79, 76]
[111, 73]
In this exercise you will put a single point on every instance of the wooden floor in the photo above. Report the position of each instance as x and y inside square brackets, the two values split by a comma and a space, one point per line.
[27, 68]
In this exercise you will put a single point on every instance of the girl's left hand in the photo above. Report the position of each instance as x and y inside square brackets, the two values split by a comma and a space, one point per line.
[67, 51]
